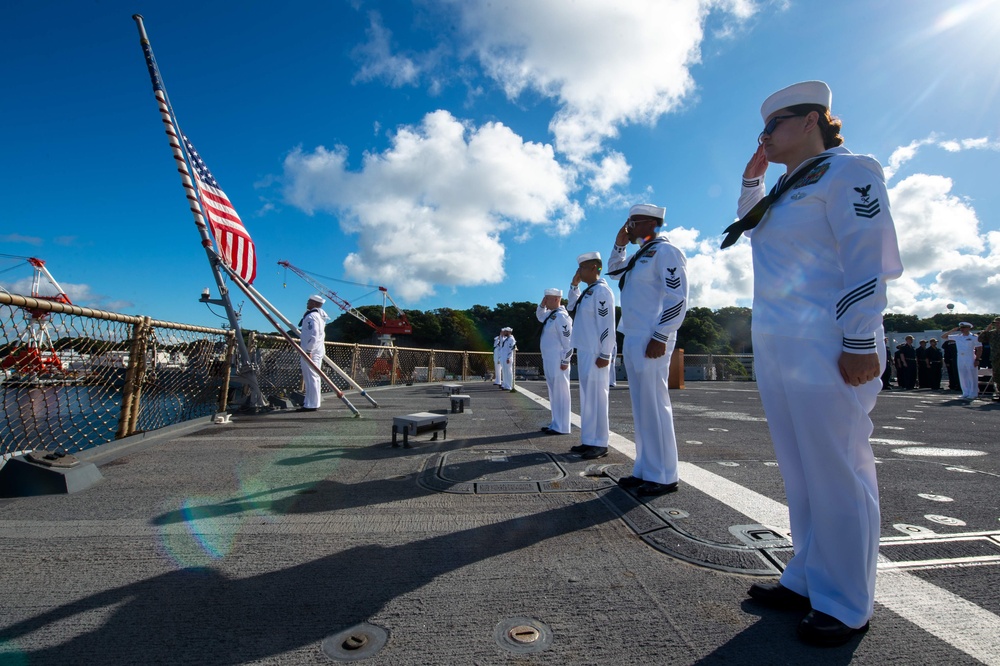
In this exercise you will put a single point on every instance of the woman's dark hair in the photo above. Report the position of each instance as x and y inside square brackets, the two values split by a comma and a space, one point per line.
[829, 126]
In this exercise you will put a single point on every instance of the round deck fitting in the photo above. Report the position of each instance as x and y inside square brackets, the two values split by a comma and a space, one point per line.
[523, 635]
[355, 643]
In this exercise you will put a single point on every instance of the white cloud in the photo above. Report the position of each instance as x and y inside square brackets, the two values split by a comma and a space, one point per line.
[946, 258]
[79, 294]
[21, 238]
[378, 61]
[904, 154]
[632, 66]
[430, 210]
[716, 278]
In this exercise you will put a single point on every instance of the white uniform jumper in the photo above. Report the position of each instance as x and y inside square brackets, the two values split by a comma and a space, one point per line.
[312, 341]
[557, 328]
[968, 370]
[593, 337]
[654, 303]
[507, 361]
[822, 256]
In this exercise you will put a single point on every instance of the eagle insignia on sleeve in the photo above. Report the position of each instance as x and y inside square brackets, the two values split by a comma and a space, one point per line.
[673, 282]
[868, 207]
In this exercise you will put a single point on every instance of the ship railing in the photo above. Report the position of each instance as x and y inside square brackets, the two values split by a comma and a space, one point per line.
[115, 385]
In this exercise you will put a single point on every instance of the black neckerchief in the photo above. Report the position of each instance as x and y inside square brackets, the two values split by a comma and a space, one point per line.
[631, 262]
[754, 216]
[541, 329]
[572, 313]
[306, 315]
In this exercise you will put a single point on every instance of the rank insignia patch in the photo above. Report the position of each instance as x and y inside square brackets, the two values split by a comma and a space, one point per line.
[868, 207]
[813, 176]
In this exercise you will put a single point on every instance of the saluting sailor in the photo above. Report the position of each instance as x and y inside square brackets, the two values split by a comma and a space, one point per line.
[822, 254]
[968, 348]
[557, 328]
[593, 337]
[312, 339]
[654, 290]
[507, 347]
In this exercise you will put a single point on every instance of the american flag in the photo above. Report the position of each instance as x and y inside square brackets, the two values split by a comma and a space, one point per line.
[230, 235]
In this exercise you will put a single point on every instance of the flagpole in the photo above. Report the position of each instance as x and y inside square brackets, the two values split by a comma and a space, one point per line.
[248, 290]
[246, 368]
[295, 329]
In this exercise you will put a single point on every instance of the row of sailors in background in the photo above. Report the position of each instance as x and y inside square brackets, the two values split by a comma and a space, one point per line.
[961, 354]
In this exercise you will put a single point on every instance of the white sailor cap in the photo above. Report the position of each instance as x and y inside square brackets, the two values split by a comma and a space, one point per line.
[806, 92]
[507, 328]
[589, 256]
[554, 292]
[963, 324]
[649, 210]
[316, 298]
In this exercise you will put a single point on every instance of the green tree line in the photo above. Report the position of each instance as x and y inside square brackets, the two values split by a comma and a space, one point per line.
[705, 331]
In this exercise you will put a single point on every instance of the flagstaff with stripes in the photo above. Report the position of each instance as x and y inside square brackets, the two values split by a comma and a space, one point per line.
[245, 368]
[215, 216]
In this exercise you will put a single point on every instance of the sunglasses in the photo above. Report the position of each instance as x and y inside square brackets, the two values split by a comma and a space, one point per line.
[772, 124]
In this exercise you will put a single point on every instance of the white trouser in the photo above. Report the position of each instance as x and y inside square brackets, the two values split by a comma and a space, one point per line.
[820, 428]
[508, 372]
[968, 375]
[655, 443]
[497, 372]
[558, 384]
[311, 379]
[593, 400]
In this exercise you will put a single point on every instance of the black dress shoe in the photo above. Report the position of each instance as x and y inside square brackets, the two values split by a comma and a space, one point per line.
[651, 488]
[630, 482]
[825, 630]
[579, 448]
[594, 452]
[777, 595]
[307, 409]
[546, 428]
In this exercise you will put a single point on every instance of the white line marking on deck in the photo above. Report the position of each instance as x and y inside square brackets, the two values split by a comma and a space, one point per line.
[954, 620]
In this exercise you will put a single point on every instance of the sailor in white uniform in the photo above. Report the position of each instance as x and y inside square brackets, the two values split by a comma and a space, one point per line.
[312, 339]
[497, 361]
[556, 348]
[654, 296]
[824, 247]
[968, 348]
[593, 338]
[508, 345]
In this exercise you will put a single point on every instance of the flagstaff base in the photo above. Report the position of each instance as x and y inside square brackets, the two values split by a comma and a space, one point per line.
[36, 474]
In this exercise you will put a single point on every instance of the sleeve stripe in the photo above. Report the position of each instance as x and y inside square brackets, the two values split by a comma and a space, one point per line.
[853, 296]
[857, 298]
[671, 313]
[859, 343]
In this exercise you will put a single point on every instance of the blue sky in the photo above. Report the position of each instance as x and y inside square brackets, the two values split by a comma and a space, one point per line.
[465, 153]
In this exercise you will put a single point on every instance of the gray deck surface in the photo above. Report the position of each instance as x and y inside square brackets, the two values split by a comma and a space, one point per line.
[252, 542]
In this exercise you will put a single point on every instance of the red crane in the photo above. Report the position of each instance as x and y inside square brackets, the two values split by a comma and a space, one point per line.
[34, 354]
[389, 326]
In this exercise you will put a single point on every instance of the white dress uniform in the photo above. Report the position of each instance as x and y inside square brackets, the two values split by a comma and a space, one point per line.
[968, 370]
[507, 345]
[497, 361]
[654, 303]
[557, 329]
[312, 340]
[593, 337]
[822, 255]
